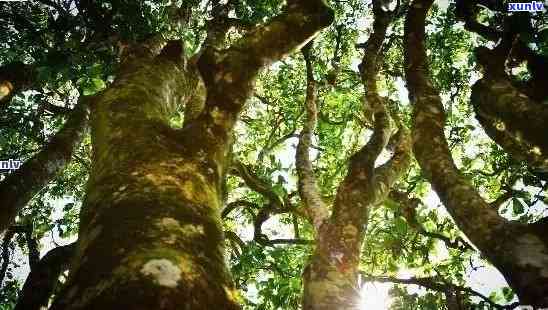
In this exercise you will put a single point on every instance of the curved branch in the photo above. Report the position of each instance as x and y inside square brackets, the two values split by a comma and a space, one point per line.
[43, 278]
[300, 21]
[308, 188]
[357, 193]
[466, 11]
[515, 122]
[501, 241]
[235, 204]
[386, 175]
[22, 184]
[408, 210]
[435, 285]
[256, 183]
[473, 215]
[235, 240]
[375, 106]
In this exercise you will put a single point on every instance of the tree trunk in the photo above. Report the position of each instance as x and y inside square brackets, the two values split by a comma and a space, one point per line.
[331, 276]
[150, 229]
[518, 251]
[515, 122]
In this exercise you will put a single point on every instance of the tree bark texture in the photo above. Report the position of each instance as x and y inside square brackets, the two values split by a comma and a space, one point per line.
[331, 275]
[513, 120]
[519, 251]
[150, 230]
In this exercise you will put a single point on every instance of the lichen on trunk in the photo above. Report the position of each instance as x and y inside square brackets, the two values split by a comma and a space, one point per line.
[150, 220]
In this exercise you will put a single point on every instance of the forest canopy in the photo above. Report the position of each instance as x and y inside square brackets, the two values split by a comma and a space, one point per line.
[265, 154]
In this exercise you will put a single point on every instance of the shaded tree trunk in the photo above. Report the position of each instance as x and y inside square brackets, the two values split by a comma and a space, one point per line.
[513, 120]
[43, 278]
[510, 111]
[519, 251]
[150, 230]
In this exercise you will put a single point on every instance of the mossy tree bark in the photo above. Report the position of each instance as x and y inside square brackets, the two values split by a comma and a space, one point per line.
[514, 121]
[150, 230]
[331, 276]
[510, 111]
[502, 242]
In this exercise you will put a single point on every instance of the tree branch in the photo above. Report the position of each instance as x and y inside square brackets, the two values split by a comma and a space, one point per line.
[256, 183]
[408, 210]
[272, 242]
[43, 278]
[6, 241]
[472, 214]
[22, 184]
[386, 175]
[235, 204]
[512, 119]
[258, 48]
[313, 205]
[435, 285]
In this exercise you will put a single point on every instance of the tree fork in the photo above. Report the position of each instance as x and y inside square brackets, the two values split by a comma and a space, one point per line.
[331, 275]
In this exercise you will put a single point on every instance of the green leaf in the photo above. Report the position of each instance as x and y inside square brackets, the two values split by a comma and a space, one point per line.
[508, 294]
[517, 207]
[92, 86]
[95, 70]
[98, 84]
[401, 225]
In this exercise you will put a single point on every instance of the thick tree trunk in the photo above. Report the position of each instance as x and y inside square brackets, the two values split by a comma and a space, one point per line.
[150, 230]
[150, 233]
[22, 184]
[520, 252]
